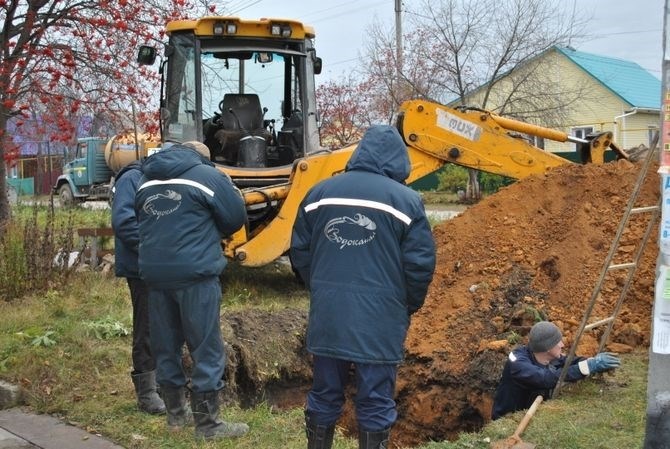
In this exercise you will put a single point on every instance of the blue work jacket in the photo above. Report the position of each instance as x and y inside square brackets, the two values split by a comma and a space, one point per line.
[185, 206]
[363, 245]
[524, 378]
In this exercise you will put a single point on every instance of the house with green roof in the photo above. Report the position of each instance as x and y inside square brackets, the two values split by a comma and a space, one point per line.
[614, 95]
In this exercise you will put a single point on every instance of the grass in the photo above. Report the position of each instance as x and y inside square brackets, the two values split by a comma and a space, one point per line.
[70, 350]
[84, 377]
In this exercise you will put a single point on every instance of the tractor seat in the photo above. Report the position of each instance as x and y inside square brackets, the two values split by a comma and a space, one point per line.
[247, 120]
[247, 108]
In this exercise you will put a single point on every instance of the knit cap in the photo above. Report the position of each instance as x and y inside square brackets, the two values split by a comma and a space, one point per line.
[199, 147]
[543, 336]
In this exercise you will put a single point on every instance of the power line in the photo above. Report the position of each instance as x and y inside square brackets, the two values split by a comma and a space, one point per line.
[243, 7]
[351, 11]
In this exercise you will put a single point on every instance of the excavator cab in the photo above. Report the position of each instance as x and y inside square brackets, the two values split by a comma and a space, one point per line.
[243, 88]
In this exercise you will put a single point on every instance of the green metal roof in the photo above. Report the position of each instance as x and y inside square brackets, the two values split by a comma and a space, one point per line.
[626, 79]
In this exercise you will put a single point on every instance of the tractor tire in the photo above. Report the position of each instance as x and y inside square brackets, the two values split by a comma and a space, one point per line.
[66, 196]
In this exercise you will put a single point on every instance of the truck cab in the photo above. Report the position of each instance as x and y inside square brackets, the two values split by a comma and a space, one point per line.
[86, 176]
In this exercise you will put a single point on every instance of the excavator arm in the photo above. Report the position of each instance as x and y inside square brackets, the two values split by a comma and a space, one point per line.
[435, 135]
[479, 139]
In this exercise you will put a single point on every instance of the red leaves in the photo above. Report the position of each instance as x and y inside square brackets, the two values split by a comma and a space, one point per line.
[81, 64]
[11, 154]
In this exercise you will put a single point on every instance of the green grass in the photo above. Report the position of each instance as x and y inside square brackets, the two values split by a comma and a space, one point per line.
[85, 378]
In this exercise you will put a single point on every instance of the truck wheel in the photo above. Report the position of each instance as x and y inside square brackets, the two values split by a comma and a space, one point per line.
[65, 195]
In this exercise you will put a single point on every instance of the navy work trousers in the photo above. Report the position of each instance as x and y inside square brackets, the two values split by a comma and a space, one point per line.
[190, 315]
[375, 389]
[139, 295]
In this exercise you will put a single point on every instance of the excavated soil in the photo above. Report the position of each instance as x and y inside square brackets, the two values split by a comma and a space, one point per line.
[533, 250]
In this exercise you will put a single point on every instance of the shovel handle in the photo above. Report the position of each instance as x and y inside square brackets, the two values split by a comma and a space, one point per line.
[526, 418]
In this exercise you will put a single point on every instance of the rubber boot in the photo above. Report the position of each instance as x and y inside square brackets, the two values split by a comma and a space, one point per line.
[178, 412]
[148, 399]
[373, 440]
[318, 437]
[205, 407]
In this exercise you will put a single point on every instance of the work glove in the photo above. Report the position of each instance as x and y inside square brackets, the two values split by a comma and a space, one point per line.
[602, 362]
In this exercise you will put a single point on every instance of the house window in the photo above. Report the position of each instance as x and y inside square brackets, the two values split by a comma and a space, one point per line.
[582, 132]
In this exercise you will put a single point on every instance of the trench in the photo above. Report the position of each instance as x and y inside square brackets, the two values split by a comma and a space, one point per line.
[268, 364]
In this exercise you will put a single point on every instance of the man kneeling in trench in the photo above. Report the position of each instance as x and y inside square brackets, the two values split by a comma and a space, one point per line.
[534, 369]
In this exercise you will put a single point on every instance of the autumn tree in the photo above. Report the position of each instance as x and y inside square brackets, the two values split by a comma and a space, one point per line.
[62, 59]
[453, 48]
[344, 111]
[371, 94]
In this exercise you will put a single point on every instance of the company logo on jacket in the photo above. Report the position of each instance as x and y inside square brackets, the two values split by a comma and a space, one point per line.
[346, 231]
[162, 204]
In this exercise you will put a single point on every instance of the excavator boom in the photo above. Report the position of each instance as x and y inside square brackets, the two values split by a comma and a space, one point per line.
[435, 135]
[485, 141]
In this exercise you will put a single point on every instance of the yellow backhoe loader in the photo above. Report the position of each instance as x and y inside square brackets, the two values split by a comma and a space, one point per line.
[246, 89]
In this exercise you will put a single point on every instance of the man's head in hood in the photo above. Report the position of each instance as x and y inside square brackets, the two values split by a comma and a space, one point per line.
[381, 151]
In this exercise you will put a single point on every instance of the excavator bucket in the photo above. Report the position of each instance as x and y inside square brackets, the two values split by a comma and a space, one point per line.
[593, 150]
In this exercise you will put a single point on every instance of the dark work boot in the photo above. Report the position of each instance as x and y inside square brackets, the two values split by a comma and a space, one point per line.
[205, 407]
[148, 399]
[318, 437]
[373, 440]
[178, 412]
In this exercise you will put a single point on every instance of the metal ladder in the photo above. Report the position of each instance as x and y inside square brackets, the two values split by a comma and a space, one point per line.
[608, 266]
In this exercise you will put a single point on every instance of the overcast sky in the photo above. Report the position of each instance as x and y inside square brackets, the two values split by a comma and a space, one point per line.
[626, 29]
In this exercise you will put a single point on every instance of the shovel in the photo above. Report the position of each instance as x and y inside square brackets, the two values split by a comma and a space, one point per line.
[515, 442]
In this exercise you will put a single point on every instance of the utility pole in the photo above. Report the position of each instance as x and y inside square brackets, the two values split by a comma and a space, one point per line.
[657, 434]
[398, 35]
[398, 40]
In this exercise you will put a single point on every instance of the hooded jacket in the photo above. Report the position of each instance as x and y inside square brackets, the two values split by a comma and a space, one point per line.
[185, 206]
[124, 220]
[363, 245]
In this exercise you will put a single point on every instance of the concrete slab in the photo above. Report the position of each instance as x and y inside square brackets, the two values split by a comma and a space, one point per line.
[10, 441]
[46, 432]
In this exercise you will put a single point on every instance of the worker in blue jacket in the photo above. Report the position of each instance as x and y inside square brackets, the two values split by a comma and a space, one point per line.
[126, 242]
[534, 369]
[364, 247]
[185, 206]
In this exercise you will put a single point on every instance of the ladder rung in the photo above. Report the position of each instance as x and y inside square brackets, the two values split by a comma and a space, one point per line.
[639, 210]
[621, 266]
[598, 323]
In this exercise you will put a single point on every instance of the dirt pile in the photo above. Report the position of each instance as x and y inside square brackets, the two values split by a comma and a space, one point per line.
[534, 249]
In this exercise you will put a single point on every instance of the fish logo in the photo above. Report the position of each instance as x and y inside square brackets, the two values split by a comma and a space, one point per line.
[162, 204]
[350, 232]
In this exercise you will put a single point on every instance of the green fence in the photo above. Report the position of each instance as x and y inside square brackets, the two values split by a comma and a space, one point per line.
[23, 186]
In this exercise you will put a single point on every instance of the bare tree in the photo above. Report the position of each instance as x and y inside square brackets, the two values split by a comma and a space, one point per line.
[487, 51]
